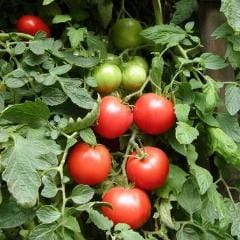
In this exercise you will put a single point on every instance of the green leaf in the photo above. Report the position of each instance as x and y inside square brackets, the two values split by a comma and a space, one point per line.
[50, 189]
[165, 213]
[130, 235]
[72, 224]
[186, 134]
[164, 34]
[187, 233]
[203, 177]
[82, 194]
[60, 70]
[232, 99]
[176, 178]
[212, 61]
[3, 135]
[235, 228]
[189, 199]
[229, 124]
[34, 60]
[21, 163]
[76, 36]
[105, 9]
[19, 48]
[61, 19]
[182, 111]
[79, 96]
[16, 79]
[83, 62]
[46, 79]
[48, 214]
[44, 232]
[28, 112]
[230, 9]
[37, 47]
[47, 2]
[99, 220]
[12, 215]
[96, 44]
[157, 72]
[53, 96]
[88, 136]
[184, 10]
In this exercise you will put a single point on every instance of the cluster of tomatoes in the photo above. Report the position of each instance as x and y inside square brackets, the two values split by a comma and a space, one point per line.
[147, 168]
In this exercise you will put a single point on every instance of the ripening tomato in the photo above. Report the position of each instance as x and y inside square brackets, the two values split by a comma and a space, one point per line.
[141, 61]
[108, 77]
[130, 206]
[125, 33]
[133, 76]
[89, 165]
[114, 118]
[31, 24]
[112, 58]
[154, 114]
[150, 171]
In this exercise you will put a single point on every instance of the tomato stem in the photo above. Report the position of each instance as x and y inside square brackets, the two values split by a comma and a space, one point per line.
[158, 12]
[6, 36]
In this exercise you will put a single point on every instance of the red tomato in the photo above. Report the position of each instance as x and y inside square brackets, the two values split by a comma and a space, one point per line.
[130, 206]
[30, 24]
[89, 165]
[151, 171]
[114, 119]
[154, 114]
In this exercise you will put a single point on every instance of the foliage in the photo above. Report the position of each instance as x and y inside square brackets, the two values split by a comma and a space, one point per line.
[49, 101]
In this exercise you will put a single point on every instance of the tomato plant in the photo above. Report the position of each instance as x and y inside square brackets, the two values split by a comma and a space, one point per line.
[31, 24]
[122, 107]
[158, 111]
[108, 77]
[126, 33]
[130, 206]
[114, 118]
[148, 169]
[133, 75]
[89, 165]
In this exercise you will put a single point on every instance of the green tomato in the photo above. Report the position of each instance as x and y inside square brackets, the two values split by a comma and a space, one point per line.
[141, 61]
[133, 76]
[108, 77]
[125, 33]
[112, 58]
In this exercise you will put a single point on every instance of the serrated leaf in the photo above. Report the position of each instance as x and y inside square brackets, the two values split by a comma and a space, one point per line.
[79, 96]
[229, 124]
[182, 111]
[37, 47]
[60, 70]
[76, 36]
[72, 224]
[164, 34]
[21, 164]
[213, 61]
[44, 232]
[53, 96]
[184, 10]
[88, 136]
[8, 212]
[232, 99]
[99, 220]
[48, 214]
[230, 9]
[186, 134]
[28, 112]
[203, 177]
[189, 199]
[82, 194]
[61, 19]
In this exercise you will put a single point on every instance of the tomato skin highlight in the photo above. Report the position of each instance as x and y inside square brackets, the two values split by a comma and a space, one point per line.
[125, 33]
[148, 173]
[154, 114]
[31, 24]
[130, 206]
[108, 77]
[114, 119]
[89, 165]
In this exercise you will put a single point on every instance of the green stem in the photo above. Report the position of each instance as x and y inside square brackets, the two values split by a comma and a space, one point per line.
[158, 12]
[6, 36]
